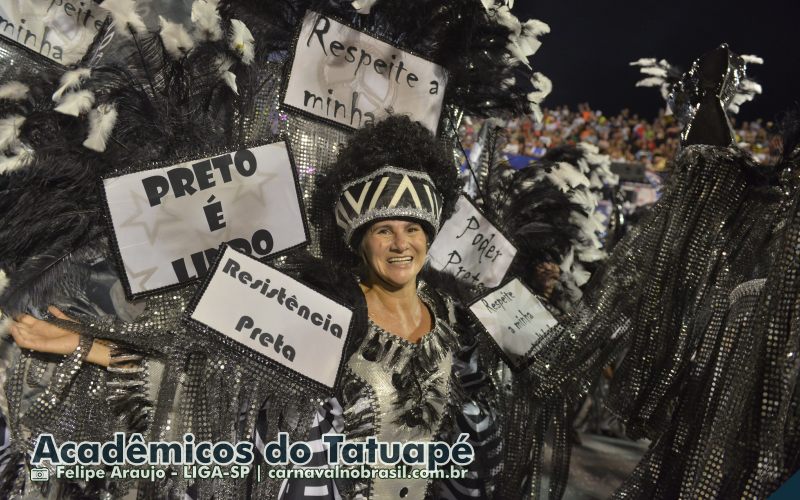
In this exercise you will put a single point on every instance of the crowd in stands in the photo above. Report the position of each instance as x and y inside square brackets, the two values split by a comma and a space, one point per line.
[625, 137]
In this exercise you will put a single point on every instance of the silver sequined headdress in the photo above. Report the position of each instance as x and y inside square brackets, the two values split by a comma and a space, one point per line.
[389, 192]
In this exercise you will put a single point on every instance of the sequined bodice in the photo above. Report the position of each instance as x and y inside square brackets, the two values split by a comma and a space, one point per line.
[409, 386]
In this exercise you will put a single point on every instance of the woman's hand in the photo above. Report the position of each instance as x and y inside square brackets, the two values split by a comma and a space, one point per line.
[38, 335]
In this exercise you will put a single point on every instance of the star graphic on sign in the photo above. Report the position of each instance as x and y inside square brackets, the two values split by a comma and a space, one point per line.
[246, 189]
[145, 275]
[163, 217]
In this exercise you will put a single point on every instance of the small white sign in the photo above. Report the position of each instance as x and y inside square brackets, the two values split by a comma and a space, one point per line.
[276, 316]
[514, 317]
[471, 248]
[168, 222]
[350, 78]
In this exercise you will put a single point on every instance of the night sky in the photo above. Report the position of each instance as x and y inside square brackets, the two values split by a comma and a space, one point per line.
[590, 43]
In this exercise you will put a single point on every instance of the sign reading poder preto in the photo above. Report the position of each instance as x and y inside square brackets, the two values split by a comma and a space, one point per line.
[352, 79]
[514, 318]
[275, 315]
[168, 222]
[472, 248]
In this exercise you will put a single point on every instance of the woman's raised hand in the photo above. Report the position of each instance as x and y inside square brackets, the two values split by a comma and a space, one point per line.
[39, 335]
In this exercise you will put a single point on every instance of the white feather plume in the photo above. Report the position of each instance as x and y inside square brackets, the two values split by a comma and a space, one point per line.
[9, 131]
[588, 148]
[745, 92]
[101, 123]
[542, 88]
[123, 12]
[584, 198]
[71, 80]
[653, 81]
[176, 39]
[206, 21]
[363, 6]
[583, 166]
[654, 70]
[580, 274]
[3, 281]
[20, 159]
[76, 103]
[657, 74]
[5, 324]
[502, 14]
[242, 41]
[528, 39]
[644, 61]
[750, 86]
[752, 59]
[591, 254]
[224, 64]
[589, 226]
[14, 91]
[566, 177]
[606, 175]
[569, 259]
[230, 80]
[536, 111]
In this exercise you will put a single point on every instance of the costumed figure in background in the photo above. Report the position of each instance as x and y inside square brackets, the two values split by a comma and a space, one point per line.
[710, 372]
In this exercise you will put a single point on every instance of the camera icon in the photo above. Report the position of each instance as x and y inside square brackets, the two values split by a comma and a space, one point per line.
[40, 474]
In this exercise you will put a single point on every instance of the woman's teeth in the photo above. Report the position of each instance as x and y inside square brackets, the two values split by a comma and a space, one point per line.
[395, 260]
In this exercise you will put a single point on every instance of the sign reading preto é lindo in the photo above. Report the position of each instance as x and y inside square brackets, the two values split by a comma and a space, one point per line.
[275, 315]
[514, 318]
[352, 79]
[472, 248]
[169, 222]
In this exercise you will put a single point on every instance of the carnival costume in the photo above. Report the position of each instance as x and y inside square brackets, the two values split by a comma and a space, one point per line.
[394, 389]
[178, 94]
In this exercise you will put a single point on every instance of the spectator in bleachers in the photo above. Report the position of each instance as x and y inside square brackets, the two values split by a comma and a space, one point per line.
[624, 137]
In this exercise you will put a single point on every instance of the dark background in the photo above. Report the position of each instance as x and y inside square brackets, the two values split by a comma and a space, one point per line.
[591, 42]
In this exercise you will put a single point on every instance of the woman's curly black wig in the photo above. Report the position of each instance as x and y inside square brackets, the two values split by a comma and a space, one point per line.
[399, 142]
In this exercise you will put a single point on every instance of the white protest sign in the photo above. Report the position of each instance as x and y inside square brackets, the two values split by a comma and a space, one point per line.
[469, 246]
[514, 317]
[168, 222]
[276, 316]
[60, 30]
[350, 78]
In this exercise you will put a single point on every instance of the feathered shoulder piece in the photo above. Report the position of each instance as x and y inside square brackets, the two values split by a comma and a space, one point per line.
[481, 44]
[173, 92]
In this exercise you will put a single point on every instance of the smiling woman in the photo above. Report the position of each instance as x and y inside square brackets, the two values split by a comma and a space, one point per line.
[394, 186]
[394, 252]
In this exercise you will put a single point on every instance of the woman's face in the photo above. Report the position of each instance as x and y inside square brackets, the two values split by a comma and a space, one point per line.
[395, 251]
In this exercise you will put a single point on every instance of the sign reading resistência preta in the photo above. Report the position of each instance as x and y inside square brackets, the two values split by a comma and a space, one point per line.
[352, 79]
[169, 222]
[275, 315]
